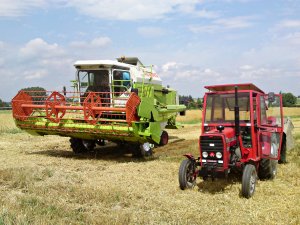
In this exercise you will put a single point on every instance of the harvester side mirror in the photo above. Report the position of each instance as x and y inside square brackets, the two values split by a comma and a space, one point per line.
[220, 128]
[271, 96]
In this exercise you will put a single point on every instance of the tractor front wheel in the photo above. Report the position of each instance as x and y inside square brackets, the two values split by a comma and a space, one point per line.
[187, 176]
[81, 146]
[249, 180]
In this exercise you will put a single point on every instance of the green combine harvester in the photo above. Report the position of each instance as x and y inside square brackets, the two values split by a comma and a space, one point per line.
[121, 101]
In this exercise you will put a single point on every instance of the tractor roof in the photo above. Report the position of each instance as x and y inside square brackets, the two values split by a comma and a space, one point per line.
[230, 87]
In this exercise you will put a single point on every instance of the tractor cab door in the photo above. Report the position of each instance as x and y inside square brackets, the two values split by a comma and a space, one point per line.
[270, 125]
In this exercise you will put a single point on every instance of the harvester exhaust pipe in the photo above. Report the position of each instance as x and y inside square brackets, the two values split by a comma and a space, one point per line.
[236, 116]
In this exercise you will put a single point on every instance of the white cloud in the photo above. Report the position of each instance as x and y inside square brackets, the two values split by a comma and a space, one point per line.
[39, 48]
[95, 43]
[35, 74]
[131, 9]
[289, 24]
[246, 67]
[206, 14]
[16, 8]
[234, 22]
[204, 29]
[100, 42]
[223, 24]
[170, 66]
[292, 38]
[150, 31]
[182, 72]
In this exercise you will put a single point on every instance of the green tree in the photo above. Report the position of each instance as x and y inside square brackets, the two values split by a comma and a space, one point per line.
[288, 99]
[3, 104]
[38, 94]
[199, 103]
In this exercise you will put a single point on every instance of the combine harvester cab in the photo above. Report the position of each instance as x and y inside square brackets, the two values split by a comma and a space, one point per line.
[121, 101]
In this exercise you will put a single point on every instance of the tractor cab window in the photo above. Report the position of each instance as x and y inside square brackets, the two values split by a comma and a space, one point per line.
[121, 82]
[93, 80]
[270, 111]
[220, 108]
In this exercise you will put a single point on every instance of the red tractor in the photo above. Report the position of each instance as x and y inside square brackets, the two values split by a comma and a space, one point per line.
[242, 129]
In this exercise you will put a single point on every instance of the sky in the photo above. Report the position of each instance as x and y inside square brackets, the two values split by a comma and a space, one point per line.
[191, 43]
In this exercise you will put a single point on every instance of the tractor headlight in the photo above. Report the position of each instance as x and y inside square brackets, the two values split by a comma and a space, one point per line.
[219, 155]
[204, 154]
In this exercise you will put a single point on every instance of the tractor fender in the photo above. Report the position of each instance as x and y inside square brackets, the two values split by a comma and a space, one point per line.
[190, 156]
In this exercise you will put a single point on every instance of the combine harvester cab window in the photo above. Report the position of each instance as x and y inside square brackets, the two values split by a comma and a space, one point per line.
[121, 81]
[220, 108]
[94, 80]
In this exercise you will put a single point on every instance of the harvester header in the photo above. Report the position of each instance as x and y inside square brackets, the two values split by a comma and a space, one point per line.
[121, 101]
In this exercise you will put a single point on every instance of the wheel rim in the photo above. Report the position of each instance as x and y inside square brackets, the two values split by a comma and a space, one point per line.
[252, 182]
[190, 177]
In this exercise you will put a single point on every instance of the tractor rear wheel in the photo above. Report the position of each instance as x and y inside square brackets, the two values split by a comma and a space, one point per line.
[164, 138]
[267, 169]
[81, 146]
[283, 151]
[249, 181]
[186, 175]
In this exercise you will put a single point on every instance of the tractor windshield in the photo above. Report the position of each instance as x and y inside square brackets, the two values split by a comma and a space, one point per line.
[220, 108]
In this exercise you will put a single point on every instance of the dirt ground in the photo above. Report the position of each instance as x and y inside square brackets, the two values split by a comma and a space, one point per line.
[43, 182]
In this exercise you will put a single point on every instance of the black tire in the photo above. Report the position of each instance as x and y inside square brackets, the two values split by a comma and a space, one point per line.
[283, 150]
[139, 151]
[81, 146]
[249, 181]
[164, 138]
[267, 169]
[186, 175]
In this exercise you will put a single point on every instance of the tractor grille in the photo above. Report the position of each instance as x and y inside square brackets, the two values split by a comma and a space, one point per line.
[212, 145]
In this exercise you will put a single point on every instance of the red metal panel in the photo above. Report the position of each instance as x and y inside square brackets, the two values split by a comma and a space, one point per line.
[230, 87]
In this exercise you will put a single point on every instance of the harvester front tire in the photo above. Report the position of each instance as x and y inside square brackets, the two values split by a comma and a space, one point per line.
[142, 151]
[164, 138]
[186, 175]
[80, 146]
[267, 169]
[249, 181]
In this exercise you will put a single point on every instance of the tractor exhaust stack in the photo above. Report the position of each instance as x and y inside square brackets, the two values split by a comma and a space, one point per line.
[236, 116]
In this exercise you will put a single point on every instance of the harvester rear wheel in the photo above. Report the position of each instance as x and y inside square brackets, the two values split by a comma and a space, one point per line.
[249, 180]
[81, 146]
[186, 175]
[164, 138]
[267, 169]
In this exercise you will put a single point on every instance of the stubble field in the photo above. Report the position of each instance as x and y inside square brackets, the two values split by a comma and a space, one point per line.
[43, 182]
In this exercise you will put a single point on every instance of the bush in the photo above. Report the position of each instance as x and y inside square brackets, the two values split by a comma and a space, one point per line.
[288, 99]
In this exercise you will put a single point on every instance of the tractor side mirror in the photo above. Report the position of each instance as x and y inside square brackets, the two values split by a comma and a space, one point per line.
[271, 96]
